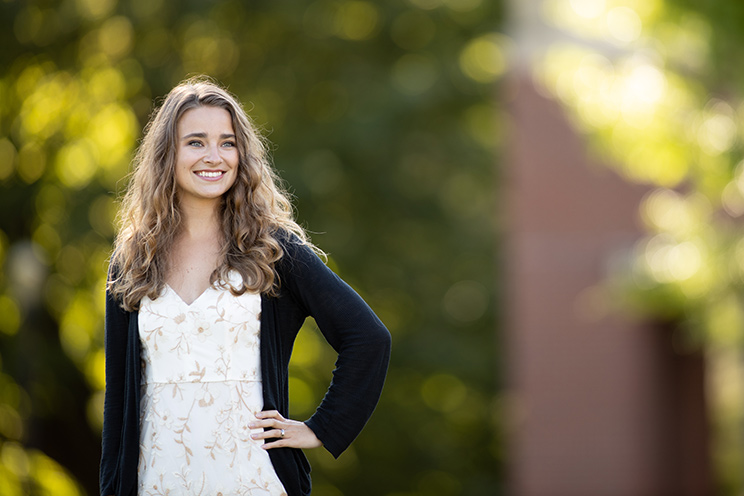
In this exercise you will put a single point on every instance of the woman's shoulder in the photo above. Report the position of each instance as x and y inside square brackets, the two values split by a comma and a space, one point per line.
[293, 245]
[298, 255]
[284, 236]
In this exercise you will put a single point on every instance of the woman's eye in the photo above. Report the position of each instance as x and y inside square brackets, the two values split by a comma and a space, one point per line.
[228, 144]
[195, 143]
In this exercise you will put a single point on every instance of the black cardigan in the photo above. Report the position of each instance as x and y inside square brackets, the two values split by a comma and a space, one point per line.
[308, 288]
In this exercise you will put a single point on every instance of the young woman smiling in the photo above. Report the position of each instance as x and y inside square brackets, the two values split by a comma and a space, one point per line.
[210, 281]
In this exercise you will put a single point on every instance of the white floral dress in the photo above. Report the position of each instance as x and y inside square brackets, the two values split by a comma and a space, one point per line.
[201, 386]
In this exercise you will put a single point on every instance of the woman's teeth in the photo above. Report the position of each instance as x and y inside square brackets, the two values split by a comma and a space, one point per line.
[209, 174]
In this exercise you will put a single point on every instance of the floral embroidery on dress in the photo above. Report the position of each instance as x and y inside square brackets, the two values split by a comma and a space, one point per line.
[201, 387]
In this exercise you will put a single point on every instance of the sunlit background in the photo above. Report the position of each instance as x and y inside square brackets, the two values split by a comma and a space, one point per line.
[390, 124]
[656, 87]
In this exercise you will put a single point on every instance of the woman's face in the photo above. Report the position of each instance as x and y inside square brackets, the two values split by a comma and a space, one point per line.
[206, 154]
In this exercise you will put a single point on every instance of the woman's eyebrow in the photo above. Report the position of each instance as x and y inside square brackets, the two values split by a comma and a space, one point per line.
[204, 135]
[194, 135]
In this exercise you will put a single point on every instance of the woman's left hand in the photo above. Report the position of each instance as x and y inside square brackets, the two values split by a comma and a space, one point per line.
[288, 433]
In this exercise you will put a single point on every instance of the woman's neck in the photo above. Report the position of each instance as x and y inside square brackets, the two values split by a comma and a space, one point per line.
[201, 220]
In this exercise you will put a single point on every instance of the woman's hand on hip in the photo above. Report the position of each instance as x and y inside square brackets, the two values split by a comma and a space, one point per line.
[288, 433]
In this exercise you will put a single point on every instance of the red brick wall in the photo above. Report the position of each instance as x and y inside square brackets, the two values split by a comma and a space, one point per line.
[602, 405]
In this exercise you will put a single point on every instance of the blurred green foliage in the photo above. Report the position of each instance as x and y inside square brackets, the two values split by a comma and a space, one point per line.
[385, 127]
[658, 89]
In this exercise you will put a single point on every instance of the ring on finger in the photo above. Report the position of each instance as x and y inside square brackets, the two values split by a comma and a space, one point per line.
[281, 433]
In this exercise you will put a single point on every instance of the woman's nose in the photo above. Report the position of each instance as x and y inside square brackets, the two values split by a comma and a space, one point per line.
[212, 155]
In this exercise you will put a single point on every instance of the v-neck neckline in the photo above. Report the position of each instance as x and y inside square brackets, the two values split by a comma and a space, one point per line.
[189, 305]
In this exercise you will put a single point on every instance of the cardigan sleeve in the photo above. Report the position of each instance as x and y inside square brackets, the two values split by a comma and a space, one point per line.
[116, 323]
[355, 333]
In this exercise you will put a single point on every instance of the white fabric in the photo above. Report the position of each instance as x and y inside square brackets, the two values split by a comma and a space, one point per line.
[201, 386]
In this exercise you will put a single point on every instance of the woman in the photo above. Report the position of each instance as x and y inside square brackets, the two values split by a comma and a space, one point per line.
[210, 281]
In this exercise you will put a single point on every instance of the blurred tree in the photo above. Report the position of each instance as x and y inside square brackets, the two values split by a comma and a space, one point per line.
[385, 128]
[657, 88]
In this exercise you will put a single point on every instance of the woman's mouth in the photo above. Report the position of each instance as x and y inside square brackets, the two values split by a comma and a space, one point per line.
[210, 174]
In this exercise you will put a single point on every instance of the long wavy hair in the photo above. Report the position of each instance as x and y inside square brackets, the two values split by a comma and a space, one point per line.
[254, 212]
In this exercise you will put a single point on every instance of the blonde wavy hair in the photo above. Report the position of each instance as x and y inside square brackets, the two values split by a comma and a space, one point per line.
[254, 212]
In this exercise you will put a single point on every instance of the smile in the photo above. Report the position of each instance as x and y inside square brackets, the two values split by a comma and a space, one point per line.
[210, 175]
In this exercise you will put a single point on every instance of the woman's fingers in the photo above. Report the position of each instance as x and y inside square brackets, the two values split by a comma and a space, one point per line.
[269, 434]
[296, 435]
[267, 419]
[269, 414]
[283, 432]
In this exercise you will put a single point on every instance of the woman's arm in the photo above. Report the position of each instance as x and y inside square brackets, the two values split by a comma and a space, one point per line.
[355, 333]
[116, 324]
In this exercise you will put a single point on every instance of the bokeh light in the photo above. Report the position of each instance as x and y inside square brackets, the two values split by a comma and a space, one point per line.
[648, 84]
